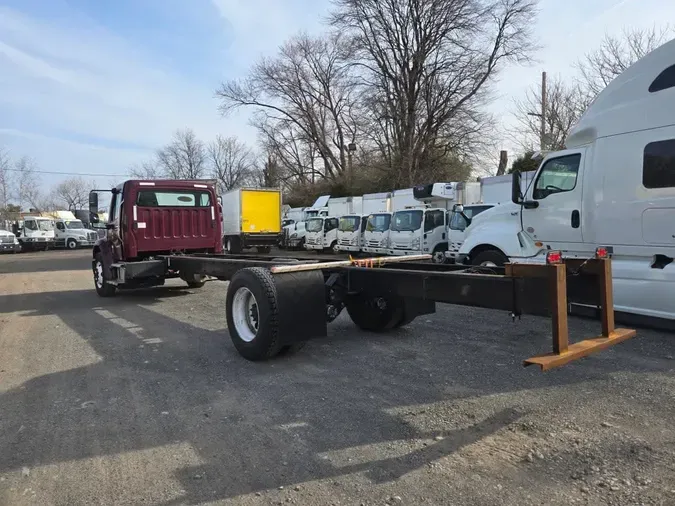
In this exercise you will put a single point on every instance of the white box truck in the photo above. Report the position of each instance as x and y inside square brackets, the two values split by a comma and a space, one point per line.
[293, 234]
[422, 229]
[352, 227]
[613, 185]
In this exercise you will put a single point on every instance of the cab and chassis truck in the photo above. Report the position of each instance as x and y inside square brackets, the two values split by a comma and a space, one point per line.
[171, 229]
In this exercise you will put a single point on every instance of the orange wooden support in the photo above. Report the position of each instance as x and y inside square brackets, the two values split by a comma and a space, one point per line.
[563, 351]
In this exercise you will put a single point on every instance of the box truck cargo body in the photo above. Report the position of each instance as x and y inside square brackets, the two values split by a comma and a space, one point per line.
[251, 218]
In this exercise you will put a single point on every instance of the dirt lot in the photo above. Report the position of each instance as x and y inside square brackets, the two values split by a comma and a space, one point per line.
[142, 399]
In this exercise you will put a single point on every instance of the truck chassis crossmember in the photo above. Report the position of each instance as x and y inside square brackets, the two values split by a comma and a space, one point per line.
[276, 304]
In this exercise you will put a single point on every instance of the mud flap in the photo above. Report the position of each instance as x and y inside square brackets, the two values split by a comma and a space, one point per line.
[301, 299]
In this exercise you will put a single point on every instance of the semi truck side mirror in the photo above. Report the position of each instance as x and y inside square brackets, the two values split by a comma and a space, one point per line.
[93, 203]
[516, 195]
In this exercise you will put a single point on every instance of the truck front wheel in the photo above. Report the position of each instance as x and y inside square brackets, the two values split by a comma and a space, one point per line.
[232, 245]
[71, 244]
[375, 314]
[252, 314]
[194, 280]
[103, 289]
[490, 258]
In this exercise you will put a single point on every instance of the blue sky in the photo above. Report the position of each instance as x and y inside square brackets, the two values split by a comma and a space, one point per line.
[93, 86]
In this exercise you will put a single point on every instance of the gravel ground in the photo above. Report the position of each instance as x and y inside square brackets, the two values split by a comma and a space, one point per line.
[142, 399]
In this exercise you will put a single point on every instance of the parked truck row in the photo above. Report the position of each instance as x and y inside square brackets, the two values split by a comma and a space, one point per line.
[410, 221]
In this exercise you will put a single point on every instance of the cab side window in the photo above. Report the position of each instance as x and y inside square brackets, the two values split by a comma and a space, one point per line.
[331, 224]
[30, 225]
[558, 175]
[658, 164]
[61, 226]
[433, 219]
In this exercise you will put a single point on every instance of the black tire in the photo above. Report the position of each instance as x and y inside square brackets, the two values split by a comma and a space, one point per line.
[265, 341]
[71, 244]
[369, 316]
[103, 289]
[232, 245]
[490, 258]
[263, 250]
[194, 281]
[438, 255]
[333, 248]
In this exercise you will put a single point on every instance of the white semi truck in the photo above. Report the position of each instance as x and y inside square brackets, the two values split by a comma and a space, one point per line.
[613, 185]
[35, 233]
[71, 233]
[494, 190]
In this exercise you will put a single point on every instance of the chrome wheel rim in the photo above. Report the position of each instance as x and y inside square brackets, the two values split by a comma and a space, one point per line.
[98, 277]
[245, 314]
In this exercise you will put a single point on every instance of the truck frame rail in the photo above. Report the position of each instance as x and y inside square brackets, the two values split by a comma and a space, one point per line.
[312, 293]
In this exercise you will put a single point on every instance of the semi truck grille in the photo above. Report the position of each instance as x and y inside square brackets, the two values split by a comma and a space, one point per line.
[7, 240]
[92, 236]
[373, 244]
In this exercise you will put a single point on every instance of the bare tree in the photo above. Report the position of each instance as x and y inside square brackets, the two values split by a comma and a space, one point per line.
[293, 154]
[231, 162]
[184, 157]
[427, 65]
[615, 54]
[5, 178]
[27, 189]
[145, 170]
[565, 103]
[73, 193]
[306, 93]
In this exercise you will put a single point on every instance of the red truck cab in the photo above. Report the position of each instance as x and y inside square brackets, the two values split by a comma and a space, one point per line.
[148, 219]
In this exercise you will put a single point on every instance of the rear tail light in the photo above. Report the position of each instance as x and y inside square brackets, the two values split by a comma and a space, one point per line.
[554, 257]
[602, 252]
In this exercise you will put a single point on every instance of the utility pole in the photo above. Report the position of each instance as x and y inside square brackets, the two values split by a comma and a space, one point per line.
[543, 112]
[542, 115]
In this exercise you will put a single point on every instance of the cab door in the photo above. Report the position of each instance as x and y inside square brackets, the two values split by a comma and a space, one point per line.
[552, 212]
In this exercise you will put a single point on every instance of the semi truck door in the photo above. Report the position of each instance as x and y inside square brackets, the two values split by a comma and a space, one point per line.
[552, 211]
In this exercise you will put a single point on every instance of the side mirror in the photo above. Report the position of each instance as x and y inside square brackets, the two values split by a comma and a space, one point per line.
[516, 195]
[458, 208]
[93, 203]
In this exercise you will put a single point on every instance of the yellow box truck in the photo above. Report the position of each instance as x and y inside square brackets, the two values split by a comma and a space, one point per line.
[251, 218]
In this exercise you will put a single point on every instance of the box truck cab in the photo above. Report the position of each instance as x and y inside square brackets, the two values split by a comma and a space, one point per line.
[35, 233]
[321, 234]
[613, 186]
[423, 230]
[293, 235]
[350, 232]
[376, 235]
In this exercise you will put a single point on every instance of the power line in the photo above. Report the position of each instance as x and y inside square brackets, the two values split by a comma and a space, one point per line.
[32, 171]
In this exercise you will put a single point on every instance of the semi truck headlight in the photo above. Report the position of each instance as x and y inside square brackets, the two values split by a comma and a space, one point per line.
[415, 243]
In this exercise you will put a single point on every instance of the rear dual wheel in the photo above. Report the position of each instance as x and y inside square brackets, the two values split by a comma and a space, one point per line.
[376, 314]
[252, 315]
